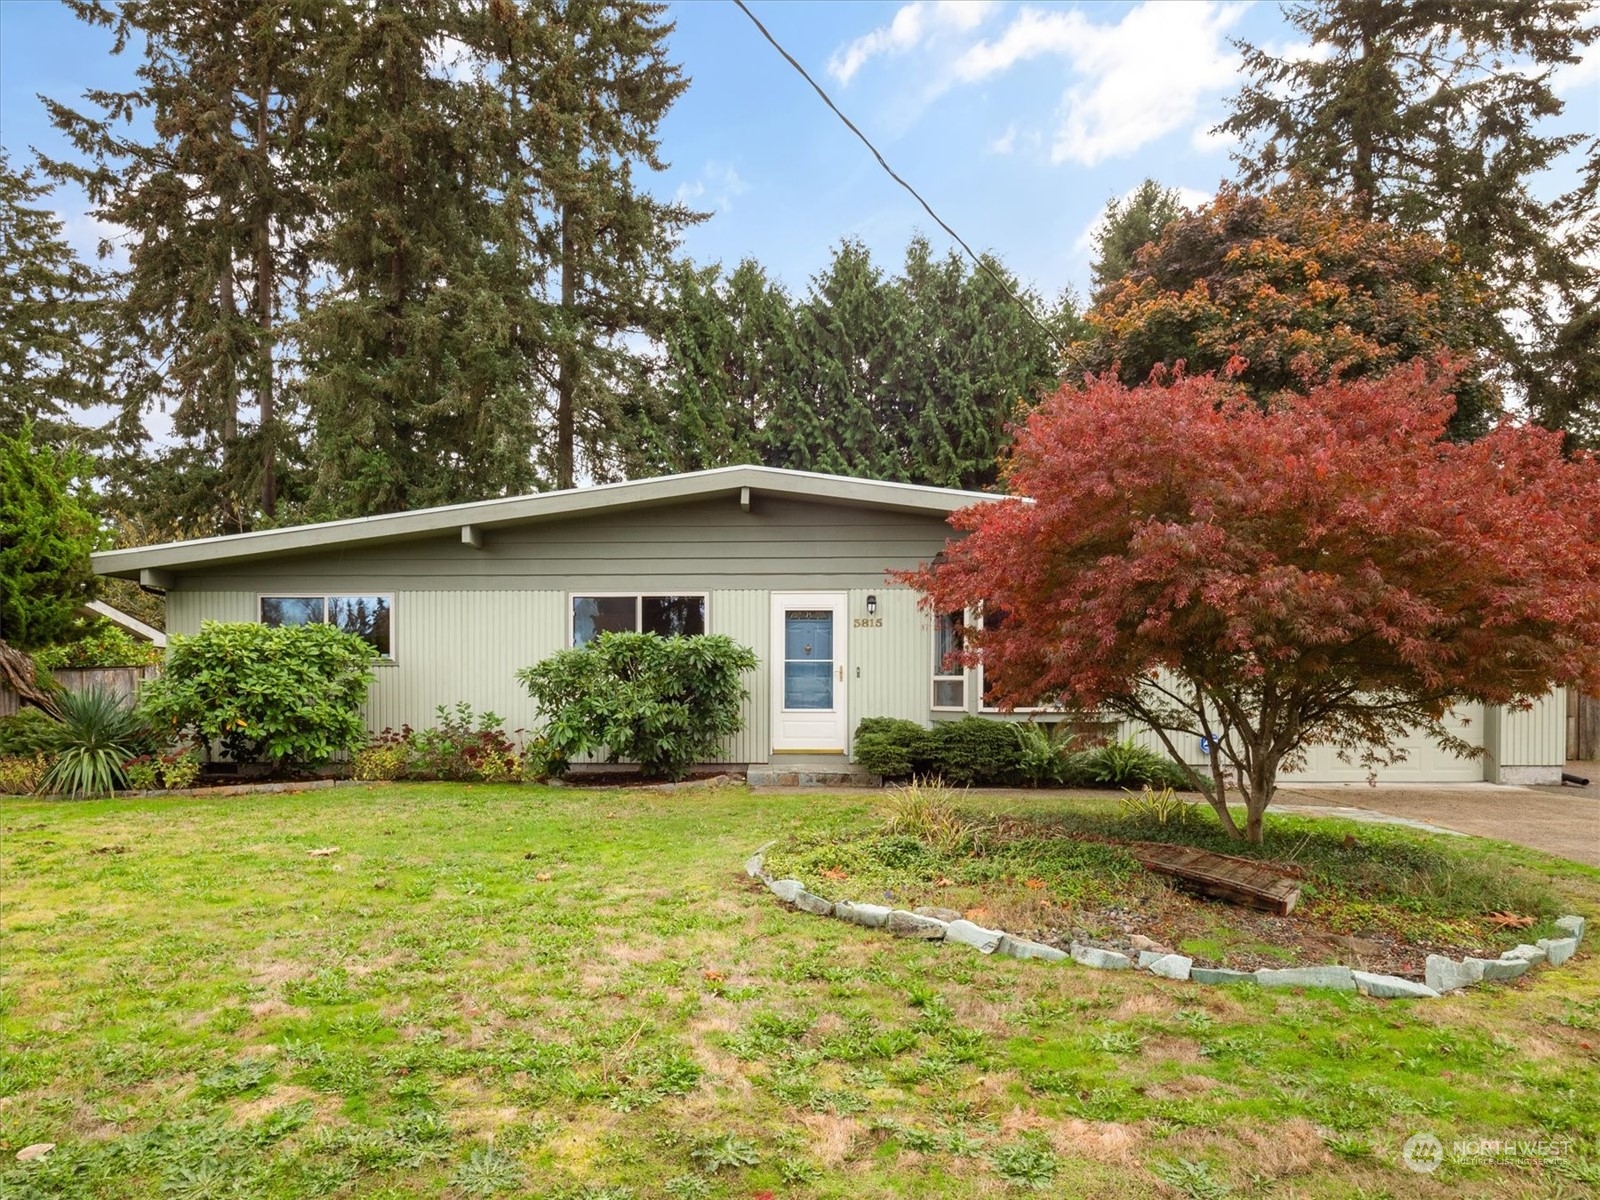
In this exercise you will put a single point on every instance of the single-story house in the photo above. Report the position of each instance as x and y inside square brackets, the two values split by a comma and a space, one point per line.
[790, 563]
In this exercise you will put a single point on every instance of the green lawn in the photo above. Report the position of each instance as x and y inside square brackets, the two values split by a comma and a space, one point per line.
[550, 992]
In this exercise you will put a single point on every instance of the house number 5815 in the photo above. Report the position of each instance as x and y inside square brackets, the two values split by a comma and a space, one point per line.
[869, 622]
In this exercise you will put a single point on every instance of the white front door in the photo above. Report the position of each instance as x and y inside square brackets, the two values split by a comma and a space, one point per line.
[808, 672]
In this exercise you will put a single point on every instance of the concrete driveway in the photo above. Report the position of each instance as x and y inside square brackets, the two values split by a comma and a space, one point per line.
[1564, 821]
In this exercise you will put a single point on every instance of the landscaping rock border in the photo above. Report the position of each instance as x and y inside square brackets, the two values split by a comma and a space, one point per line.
[928, 924]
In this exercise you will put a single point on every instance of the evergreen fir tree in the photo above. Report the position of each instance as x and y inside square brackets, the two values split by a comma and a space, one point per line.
[968, 362]
[54, 321]
[585, 86]
[1437, 116]
[217, 205]
[842, 416]
[1129, 225]
[413, 371]
[727, 355]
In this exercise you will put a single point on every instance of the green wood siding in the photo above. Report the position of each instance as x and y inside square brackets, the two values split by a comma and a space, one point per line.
[710, 544]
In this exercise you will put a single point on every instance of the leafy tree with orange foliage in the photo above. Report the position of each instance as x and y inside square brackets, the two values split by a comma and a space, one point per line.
[1327, 569]
[1287, 289]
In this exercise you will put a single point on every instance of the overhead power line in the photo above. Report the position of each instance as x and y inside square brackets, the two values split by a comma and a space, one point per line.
[979, 261]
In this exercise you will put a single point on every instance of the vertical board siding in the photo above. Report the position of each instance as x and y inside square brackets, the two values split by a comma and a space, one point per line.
[890, 666]
[455, 646]
[467, 645]
[185, 610]
[744, 616]
[1535, 738]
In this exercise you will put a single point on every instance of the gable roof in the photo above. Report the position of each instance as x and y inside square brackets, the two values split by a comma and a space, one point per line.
[152, 562]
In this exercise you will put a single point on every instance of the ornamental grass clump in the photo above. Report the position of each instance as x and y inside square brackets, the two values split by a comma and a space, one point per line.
[99, 732]
[926, 809]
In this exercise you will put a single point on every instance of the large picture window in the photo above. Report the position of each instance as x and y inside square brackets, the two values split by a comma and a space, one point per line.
[669, 616]
[369, 616]
[949, 676]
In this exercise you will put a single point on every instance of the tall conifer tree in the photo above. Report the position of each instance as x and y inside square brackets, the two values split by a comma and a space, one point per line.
[411, 367]
[586, 85]
[217, 205]
[54, 320]
[1438, 115]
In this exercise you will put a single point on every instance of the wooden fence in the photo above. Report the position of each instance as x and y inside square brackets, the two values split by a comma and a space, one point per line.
[123, 681]
[1583, 727]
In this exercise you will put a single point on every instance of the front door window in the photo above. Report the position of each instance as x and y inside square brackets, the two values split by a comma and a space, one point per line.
[808, 658]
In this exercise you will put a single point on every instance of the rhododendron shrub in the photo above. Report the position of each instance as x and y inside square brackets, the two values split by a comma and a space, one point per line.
[1328, 570]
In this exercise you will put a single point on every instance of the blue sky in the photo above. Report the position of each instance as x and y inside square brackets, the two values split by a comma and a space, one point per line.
[1018, 121]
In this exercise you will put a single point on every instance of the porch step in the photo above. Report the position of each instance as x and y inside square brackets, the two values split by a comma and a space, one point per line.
[809, 772]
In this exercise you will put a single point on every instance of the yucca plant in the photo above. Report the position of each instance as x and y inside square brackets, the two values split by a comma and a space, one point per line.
[99, 732]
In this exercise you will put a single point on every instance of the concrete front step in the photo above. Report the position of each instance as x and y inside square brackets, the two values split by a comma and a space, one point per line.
[836, 774]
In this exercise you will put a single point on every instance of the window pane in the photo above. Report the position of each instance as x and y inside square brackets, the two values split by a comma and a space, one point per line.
[291, 610]
[808, 685]
[947, 644]
[365, 616]
[675, 616]
[594, 615]
[808, 634]
[949, 693]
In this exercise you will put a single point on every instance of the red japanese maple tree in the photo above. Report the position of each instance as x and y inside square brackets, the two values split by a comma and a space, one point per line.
[1329, 570]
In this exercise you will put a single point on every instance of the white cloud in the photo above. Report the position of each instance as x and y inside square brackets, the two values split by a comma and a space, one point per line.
[1574, 76]
[1137, 79]
[1187, 196]
[719, 183]
[912, 26]
[1006, 142]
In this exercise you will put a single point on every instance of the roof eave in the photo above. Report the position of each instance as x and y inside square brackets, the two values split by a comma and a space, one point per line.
[492, 514]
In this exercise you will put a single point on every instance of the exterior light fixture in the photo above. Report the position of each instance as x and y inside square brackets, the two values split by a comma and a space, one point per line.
[872, 605]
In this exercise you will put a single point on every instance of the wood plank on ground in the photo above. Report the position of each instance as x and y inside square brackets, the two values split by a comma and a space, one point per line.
[1224, 876]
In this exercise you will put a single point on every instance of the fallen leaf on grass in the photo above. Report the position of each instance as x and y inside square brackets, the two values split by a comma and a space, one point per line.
[1505, 920]
[543, 877]
[836, 874]
[713, 976]
[1035, 883]
[324, 852]
[942, 882]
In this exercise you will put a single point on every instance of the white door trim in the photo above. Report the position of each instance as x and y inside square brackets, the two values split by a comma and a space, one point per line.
[823, 731]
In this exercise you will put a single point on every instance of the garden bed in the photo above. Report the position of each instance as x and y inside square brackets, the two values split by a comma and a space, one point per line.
[1376, 899]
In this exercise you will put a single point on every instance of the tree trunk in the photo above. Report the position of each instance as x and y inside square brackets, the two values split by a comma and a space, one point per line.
[567, 371]
[1361, 132]
[1263, 785]
[1219, 797]
[230, 310]
[264, 295]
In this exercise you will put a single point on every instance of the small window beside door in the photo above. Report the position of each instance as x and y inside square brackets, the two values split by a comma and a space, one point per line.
[949, 676]
[669, 616]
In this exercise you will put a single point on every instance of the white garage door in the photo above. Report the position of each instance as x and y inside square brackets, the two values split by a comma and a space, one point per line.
[1425, 761]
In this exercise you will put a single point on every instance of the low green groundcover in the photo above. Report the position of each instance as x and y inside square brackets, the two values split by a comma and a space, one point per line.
[477, 990]
[1376, 897]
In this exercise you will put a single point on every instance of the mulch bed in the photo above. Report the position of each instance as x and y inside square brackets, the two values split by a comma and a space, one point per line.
[1301, 940]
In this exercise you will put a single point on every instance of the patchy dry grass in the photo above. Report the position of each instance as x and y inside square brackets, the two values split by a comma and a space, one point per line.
[544, 992]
